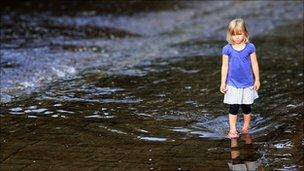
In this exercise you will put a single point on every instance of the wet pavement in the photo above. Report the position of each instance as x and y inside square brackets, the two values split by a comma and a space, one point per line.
[45, 42]
[160, 114]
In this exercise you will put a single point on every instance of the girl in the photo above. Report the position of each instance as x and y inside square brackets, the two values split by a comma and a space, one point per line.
[240, 75]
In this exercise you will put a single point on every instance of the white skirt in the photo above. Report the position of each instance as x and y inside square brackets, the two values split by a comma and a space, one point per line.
[240, 95]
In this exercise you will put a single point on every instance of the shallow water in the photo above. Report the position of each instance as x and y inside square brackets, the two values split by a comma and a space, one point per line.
[167, 116]
[135, 96]
[45, 42]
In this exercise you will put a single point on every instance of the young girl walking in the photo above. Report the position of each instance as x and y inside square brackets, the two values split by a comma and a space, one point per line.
[240, 78]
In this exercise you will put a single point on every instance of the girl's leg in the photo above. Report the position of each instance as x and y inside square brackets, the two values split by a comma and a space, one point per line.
[233, 111]
[247, 117]
[232, 122]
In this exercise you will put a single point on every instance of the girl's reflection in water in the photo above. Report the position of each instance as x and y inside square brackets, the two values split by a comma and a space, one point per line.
[244, 158]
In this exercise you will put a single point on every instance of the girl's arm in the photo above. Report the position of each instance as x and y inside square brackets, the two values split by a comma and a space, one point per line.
[224, 72]
[255, 68]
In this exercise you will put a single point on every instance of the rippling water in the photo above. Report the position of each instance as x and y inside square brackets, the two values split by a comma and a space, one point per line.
[45, 42]
[160, 114]
[171, 113]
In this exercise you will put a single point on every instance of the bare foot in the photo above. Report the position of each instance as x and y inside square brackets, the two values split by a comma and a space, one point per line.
[245, 130]
[233, 134]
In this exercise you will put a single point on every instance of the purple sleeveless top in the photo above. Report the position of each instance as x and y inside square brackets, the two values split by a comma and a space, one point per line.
[240, 74]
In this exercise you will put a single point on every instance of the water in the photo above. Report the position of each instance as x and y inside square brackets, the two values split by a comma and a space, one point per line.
[42, 43]
[160, 114]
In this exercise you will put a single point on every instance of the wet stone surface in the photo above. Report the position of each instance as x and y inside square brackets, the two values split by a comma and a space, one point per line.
[160, 114]
[170, 118]
[46, 42]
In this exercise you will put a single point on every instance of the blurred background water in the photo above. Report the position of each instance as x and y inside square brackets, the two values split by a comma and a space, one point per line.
[135, 85]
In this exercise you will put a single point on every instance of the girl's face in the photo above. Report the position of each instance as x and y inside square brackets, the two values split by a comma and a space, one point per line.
[238, 38]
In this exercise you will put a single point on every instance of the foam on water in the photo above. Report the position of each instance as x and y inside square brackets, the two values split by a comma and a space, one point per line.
[74, 43]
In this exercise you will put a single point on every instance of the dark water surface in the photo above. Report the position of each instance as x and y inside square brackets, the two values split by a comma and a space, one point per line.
[45, 42]
[146, 98]
[171, 117]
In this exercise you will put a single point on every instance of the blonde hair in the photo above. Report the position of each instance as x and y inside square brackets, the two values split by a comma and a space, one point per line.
[237, 26]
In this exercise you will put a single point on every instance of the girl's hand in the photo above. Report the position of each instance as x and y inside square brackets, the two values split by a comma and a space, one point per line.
[256, 85]
[223, 88]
